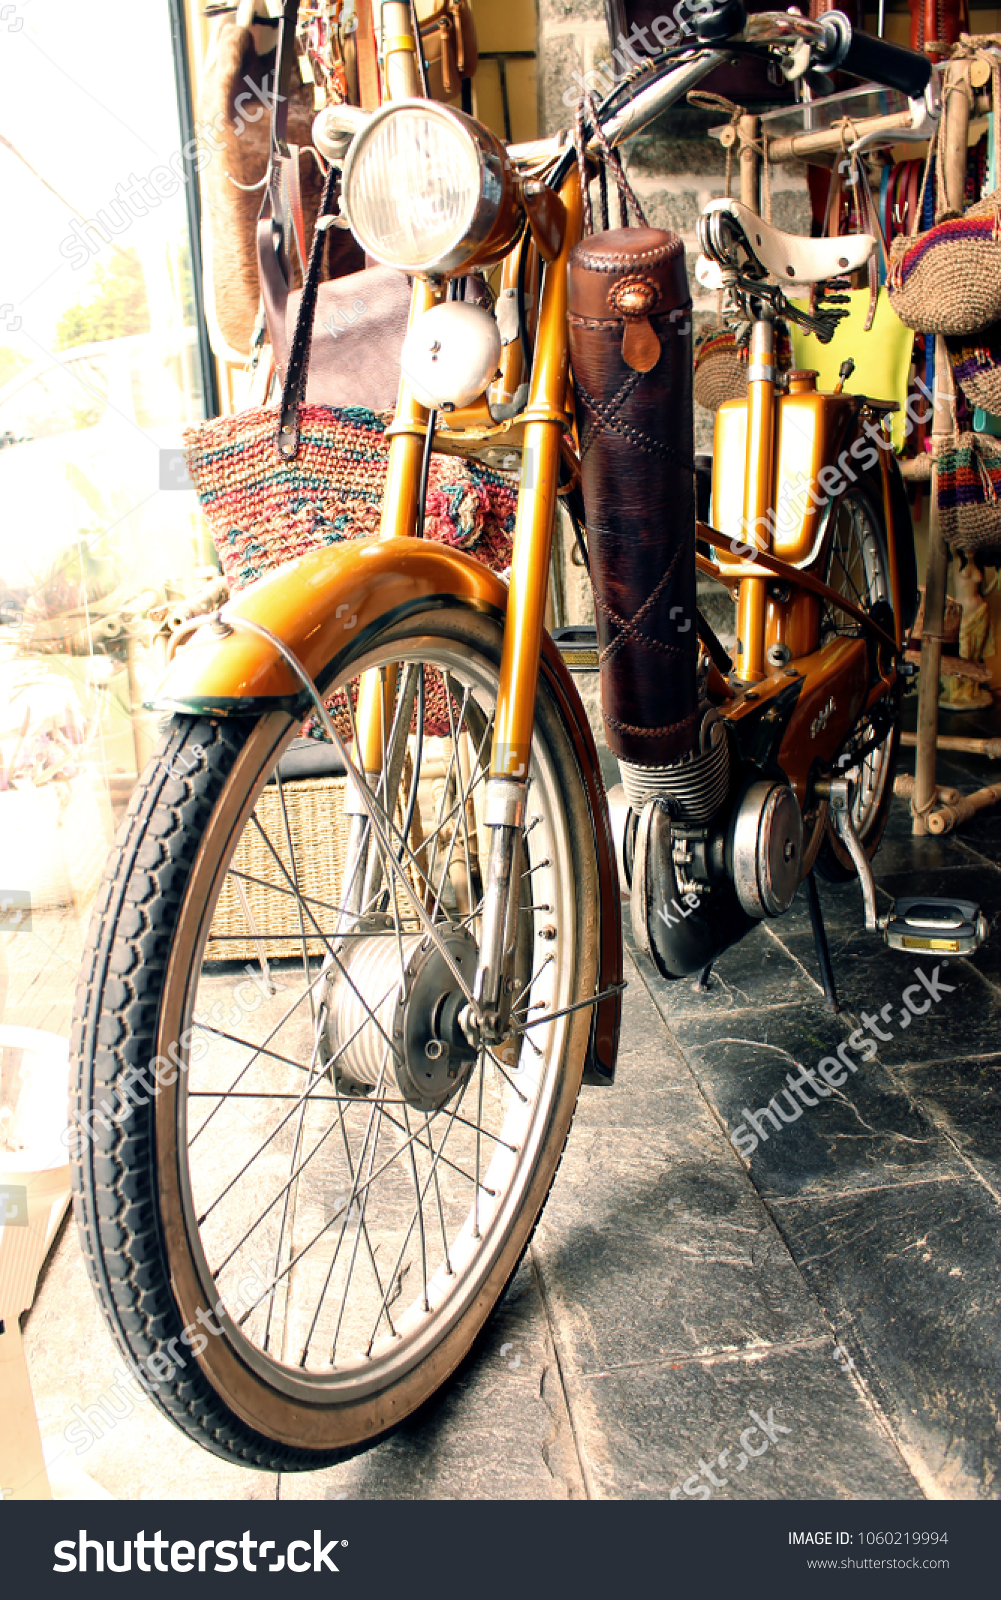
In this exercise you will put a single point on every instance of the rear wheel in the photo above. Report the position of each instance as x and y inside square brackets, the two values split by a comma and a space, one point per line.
[858, 568]
[299, 1228]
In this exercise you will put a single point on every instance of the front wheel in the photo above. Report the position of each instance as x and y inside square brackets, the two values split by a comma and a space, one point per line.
[297, 1209]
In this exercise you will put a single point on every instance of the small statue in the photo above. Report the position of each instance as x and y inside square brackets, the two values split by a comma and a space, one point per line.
[968, 688]
[976, 637]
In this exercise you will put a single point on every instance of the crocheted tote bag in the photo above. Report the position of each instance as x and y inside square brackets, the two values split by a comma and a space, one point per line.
[976, 367]
[720, 371]
[265, 509]
[275, 482]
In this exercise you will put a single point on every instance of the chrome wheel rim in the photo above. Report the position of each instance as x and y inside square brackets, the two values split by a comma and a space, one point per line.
[344, 1232]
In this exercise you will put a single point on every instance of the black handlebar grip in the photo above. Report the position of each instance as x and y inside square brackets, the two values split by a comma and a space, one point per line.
[890, 64]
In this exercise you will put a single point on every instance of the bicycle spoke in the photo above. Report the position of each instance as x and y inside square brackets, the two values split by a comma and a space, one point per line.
[364, 1202]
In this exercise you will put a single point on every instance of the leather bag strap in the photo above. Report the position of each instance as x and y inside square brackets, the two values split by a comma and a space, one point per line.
[273, 266]
[294, 176]
[297, 371]
[270, 265]
[283, 75]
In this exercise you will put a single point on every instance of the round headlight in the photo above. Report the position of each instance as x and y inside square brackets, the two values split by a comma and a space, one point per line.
[427, 189]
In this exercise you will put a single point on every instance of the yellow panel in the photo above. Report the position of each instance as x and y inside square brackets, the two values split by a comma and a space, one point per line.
[523, 100]
[488, 105]
[809, 429]
[729, 465]
[511, 26]
[882, 356]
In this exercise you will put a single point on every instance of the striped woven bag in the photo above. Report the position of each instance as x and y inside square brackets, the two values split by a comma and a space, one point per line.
[948, 279]
[969, 493]
[976, 367]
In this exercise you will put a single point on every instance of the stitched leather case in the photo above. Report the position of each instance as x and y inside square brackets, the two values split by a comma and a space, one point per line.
[631, 348]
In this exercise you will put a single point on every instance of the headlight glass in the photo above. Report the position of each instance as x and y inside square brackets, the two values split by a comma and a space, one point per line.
[412, 186]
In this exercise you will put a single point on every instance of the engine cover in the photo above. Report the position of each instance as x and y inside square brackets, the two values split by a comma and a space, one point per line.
[767, 848]
[681, 929]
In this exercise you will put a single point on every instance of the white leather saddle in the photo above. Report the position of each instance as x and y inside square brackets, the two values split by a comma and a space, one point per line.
[789, 258]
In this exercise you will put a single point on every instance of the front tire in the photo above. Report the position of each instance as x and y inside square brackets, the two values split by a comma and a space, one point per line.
[291, 1285]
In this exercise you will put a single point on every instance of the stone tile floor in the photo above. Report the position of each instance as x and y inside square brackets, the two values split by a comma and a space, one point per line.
[819, 1321]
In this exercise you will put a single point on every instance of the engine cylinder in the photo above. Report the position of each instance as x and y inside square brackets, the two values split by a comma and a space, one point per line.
[697, 785]
[631, 348]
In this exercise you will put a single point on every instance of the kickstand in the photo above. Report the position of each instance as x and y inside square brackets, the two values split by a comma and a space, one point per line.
[820, 941]
[701, 984]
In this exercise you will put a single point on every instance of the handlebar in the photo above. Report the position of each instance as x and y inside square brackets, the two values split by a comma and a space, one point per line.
[827, 43]
[833, 42]
[868, 57]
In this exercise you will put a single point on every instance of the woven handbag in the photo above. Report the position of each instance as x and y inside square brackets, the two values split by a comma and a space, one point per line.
[969, 493]
[948, 279]
[275, 482]
[976, 367]
[720, 371]
[265, 509]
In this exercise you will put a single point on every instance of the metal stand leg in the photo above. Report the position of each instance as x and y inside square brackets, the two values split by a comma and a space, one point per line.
[701, 984]
[820, 941]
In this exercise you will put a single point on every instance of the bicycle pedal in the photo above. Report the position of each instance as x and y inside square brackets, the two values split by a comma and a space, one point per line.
[930, 922]
[578, 647]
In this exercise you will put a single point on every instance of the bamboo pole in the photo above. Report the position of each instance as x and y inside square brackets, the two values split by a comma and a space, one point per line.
[956, 116]
[749, 130]
[991, 748]
[402, 77]
[829, 140]
[946, 817]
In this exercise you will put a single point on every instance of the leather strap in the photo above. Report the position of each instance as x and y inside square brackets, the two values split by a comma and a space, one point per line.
[295, 200]
[367, 56]
[272, 260]
[913, 180]
[886, 199]
[297, 372]
[283, 85]
[273, 265]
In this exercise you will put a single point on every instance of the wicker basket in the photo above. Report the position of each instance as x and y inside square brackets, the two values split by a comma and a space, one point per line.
[319, 830]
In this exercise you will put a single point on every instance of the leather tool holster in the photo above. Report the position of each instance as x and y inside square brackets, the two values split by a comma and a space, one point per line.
[631, 348]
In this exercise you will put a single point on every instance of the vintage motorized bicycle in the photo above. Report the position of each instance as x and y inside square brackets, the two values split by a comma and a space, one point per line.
[303, 1188]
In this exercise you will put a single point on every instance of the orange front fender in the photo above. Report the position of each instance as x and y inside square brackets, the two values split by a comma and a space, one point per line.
[319, 606]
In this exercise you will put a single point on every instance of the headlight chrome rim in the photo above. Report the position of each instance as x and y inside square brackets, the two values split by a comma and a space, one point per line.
[491, 222]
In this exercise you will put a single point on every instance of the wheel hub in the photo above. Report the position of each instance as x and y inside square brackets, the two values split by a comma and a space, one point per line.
[401, 1018]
